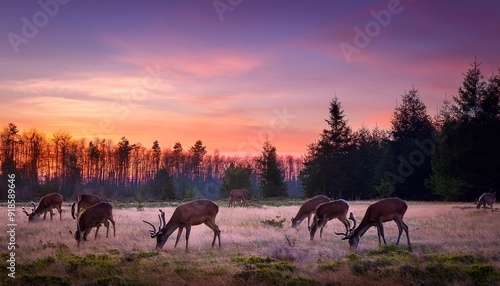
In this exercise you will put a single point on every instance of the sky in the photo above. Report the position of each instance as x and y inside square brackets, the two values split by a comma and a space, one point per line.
[232, 73]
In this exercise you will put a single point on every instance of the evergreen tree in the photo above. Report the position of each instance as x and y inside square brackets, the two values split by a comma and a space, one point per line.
[236, 176]
[411, 148]
[365, 162]
[466, 163]
[410, 120]
[156, 153]
[471, 93]
[324, 169]
[197, 152]
[164, 185]
[271, 173]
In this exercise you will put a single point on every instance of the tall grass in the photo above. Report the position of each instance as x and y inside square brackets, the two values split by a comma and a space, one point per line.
[453, 239]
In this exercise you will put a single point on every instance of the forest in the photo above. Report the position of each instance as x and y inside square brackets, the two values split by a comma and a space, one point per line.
[452, 155]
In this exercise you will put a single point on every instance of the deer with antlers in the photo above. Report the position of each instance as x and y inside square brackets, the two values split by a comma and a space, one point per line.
[185, 216]
[46, 204]
[236, 194]
[307, 210]
[83, 202]
[377, 213]
[95, 216]
[327, 211]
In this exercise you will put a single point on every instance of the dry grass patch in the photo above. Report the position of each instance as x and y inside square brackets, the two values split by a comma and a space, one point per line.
[452, 244]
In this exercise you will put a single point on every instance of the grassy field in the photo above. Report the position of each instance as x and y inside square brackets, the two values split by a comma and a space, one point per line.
[453, 244]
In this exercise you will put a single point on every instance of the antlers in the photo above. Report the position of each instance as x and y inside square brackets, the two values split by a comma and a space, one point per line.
[32, 211]
[348, 232]
[153, 232]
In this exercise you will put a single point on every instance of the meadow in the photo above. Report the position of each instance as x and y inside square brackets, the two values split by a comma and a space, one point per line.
[453, 244]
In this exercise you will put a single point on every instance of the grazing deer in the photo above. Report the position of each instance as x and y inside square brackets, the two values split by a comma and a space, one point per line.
[46, 204]
[328, 211]
[94, 216]
[487, 199]
[307, 210]
[184, 216]
[236, 194]
[376, 214]
[83, 202]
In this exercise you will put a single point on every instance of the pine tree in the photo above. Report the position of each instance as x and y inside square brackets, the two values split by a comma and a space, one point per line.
[471, 93]
[410, 165]
[271, 173]
[410, 120]
[197, 152]
[465, 163]
[324, 171]
[236, 176]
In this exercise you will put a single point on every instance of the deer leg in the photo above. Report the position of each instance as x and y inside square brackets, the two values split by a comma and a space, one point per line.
[188, 231]
[405, 227]
[308, 222]
[211, 224]
[44, 215]
[400, 229]
[106, 224]
[97, 230]
[380, 232]
[86, 233]
[60, 212]
[314, 226]
[113, 222]
[322, 223]
[181, 228]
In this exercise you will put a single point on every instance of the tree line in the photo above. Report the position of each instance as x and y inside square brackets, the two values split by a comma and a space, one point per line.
[61, 163]
[453, 155]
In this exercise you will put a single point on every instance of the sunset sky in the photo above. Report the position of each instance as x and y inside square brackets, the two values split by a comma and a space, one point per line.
[232, 72]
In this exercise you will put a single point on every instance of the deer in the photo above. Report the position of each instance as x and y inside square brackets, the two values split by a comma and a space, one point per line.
[307, 210]
[376, 214]
[238, 194]
[95, 216]
[83, 202]
[184, 216]
[327, 211]
[486, 199]
[46, 204]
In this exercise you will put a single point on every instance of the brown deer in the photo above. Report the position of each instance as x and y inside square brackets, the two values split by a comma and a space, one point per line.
[487, 199]
[327, 211]
[94, 216]
[83, 202]
[236, 194]
[184, 216]
[46, 204]
[307, 210]
[376, 214]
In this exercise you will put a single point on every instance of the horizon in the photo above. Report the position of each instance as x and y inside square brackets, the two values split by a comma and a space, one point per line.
[232, 74]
